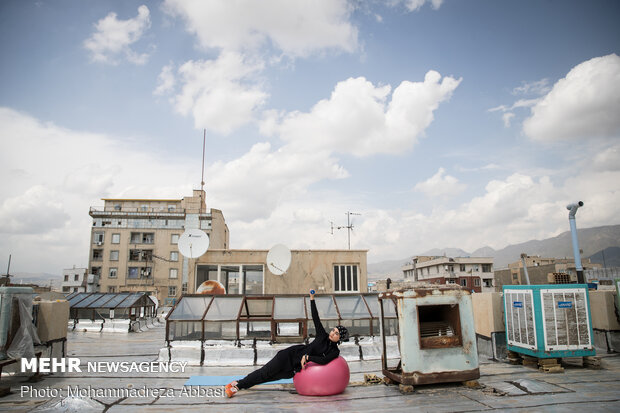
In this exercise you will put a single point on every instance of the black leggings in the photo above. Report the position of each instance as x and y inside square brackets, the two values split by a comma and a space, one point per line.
[277, 368]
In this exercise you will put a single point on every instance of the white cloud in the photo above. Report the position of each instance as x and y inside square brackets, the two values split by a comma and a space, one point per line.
[165, 81]
[607, 160]
[415, 5]
[38, 210]
[584, 104]
[297, 28]
[538, 87]
[507, 117]
[114, 38]
[252, 186]
[54, 175]
[360, 119]
[220, 94]
[440, 185]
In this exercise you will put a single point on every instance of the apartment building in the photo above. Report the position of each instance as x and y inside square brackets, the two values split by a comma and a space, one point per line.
[79, 280]
[473, 273]
[133, 244]
[541, 271]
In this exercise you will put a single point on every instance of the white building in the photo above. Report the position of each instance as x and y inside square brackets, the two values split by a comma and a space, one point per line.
[79, 280]
[474, 273]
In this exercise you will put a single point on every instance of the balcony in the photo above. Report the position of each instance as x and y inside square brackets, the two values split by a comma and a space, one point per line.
[154, 212]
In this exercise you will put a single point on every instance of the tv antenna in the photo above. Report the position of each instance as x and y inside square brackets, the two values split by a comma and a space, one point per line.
[349, 226]
[8, 271]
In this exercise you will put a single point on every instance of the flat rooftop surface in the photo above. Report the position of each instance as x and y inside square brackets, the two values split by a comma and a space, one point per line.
[503, 387]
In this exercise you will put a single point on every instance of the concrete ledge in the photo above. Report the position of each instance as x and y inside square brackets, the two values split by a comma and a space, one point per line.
[228, 356]
[606, 341]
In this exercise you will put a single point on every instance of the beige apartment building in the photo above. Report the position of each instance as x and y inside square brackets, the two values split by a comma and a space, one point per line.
[133, 243]
[473, 273]
[541, 271]
[134, 248]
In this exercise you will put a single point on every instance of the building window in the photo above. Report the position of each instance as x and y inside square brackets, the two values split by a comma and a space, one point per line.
[171, 208]
[144, 208]
[345, 278]
[184, 288]
[174, 273]
[113, 255]
[66, 278]
[117, 207]
[488, 282]
[462, 267]
[142, 238]
[174, 239]
[486, 267]
[476, 282]
[476, 268]
[464, 282]
[116, 238]
[113, 272]
[111, 289]
[97, 255]
[65, 289]
[140, 255]
[174, 256]
[76, 277]
[98, 238]
[94, 271]
[253, 279]
[172, 291]
[451, 282]
[450, 268]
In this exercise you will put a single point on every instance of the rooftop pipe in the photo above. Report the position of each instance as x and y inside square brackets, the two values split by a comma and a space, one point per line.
[573, 229]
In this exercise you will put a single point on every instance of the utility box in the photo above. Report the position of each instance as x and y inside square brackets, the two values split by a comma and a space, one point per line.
[436, 335]
[548, 321]
[52, 320]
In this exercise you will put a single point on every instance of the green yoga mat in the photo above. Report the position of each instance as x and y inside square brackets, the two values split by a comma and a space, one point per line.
[224, 380]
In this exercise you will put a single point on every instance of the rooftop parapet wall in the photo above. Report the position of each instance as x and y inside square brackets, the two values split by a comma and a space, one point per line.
[488, 313]
[602, 310]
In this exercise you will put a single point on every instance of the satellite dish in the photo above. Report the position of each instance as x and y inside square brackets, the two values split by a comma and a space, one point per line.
[278, 259]
[193, 243]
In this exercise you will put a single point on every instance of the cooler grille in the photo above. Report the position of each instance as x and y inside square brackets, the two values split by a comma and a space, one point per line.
[566, 322]
[520, 321]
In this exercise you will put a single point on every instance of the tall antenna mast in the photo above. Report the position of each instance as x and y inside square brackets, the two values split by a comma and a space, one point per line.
[202, 180]
[349, 226]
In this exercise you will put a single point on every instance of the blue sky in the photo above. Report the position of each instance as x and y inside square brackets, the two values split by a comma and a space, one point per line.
[443, 123]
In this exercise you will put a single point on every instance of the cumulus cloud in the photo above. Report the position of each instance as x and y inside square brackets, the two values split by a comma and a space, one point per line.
[296, 28]
[37, 210]
[165, 81]
[113, 38]
[584, 104]
[361, 119]
[221, 94]
[440, 185]
[55, 174]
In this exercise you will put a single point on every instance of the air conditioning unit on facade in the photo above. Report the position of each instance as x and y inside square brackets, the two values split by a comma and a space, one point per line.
[99, 243]
[548, 321]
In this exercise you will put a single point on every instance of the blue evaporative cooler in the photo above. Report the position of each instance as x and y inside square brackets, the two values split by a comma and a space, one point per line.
[548, 321]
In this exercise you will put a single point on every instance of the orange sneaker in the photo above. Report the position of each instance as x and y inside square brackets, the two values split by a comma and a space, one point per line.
[231, 389]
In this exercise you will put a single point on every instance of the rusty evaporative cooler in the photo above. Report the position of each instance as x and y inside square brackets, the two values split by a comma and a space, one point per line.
[436, 335]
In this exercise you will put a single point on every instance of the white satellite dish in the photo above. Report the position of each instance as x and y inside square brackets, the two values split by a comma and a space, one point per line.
[193, 243]
[278, 259]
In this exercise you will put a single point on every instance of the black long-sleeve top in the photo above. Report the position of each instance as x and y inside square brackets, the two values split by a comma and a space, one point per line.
[321, 350]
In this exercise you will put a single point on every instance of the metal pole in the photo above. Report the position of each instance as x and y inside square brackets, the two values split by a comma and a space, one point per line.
[573, 229]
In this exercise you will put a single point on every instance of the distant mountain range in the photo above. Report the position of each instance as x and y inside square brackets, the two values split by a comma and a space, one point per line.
[41, 278]
[594, 242]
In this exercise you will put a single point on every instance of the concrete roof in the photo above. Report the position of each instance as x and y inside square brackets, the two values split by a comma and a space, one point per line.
[503, 387]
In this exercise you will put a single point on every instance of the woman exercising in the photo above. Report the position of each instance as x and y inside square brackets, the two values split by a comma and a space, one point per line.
[287, 362]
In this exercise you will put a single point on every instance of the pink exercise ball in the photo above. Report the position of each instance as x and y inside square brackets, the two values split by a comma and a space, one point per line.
[323, 380]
